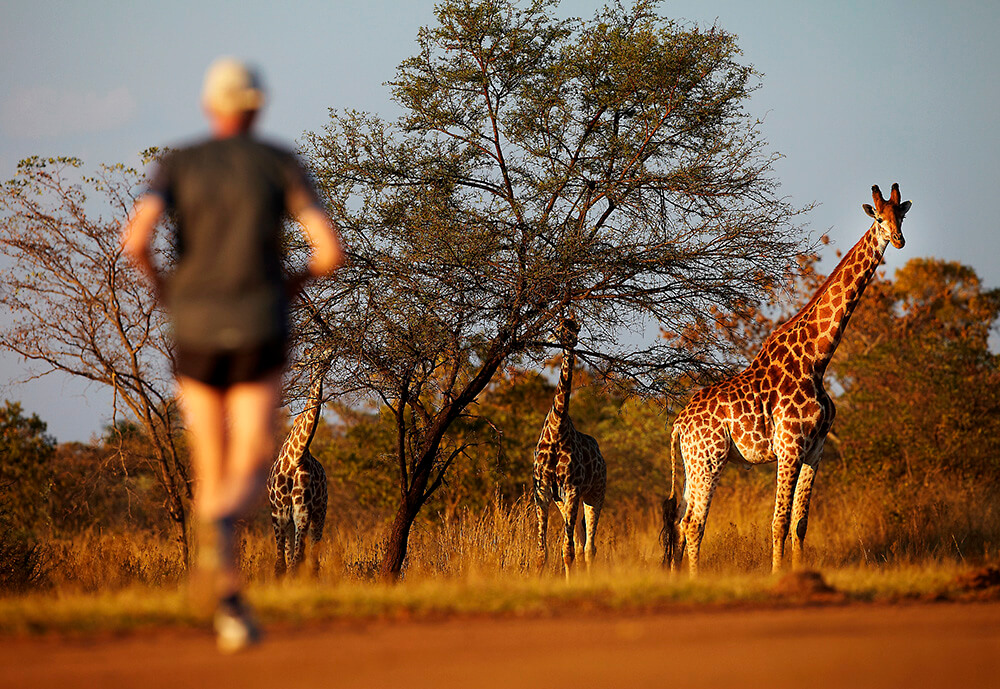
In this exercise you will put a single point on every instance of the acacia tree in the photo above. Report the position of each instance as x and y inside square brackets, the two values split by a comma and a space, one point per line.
[78, 309]
[605, 167]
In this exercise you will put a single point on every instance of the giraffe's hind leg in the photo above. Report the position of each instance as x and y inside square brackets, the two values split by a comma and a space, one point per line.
[301, 519]
[279, 541]
[542, 522]
[581, 534]
[675, 561]
[570, 507]
[699, 489]
[317, 522]
[290, 544]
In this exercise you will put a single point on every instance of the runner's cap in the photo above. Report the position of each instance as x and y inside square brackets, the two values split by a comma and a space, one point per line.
[231, 87]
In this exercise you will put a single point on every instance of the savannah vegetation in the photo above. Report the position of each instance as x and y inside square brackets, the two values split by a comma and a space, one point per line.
[605, 167]
[905, 519]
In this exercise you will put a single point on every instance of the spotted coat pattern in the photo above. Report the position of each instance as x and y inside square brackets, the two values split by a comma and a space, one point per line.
[568, 466]
[776, 410]
[296, 487]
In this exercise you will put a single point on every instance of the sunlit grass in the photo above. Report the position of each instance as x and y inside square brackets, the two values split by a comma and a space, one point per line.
[86, 613]
[482, 563]
[304, 599]
[903, 582]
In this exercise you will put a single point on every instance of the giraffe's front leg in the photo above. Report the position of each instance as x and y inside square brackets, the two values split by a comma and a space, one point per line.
[800, 505]
[789, 466]
[591, 515]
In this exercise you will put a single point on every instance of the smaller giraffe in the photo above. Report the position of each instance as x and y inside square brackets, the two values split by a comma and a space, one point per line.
[296, 486]
[568, 465]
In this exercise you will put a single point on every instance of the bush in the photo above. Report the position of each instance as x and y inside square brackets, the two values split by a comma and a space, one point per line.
[23, 565]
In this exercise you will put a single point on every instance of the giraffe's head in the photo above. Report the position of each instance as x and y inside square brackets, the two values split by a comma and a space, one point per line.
[567, 331]
[888, 215]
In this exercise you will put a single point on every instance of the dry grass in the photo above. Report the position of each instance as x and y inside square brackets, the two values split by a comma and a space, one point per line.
[868, 546]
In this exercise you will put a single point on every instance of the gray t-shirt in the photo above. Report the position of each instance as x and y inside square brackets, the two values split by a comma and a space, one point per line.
[229, 198]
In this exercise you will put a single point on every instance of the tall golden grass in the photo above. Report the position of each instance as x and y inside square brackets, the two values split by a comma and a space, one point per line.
[873, 529]
[882, 542]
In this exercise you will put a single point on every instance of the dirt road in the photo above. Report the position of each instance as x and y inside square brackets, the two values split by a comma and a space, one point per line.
[857, 646]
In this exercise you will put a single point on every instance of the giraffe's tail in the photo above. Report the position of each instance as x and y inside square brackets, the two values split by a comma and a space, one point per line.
[668, 535]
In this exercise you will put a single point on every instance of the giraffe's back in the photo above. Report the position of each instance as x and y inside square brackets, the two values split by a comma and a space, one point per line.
[300, 485]
[590, 472]
[566, 458]
[728, 420]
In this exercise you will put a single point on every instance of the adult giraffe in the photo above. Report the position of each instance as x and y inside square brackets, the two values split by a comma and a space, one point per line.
[776, 409]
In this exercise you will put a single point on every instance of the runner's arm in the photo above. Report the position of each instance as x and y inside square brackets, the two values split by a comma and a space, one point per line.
[137, 238]
[327, 250]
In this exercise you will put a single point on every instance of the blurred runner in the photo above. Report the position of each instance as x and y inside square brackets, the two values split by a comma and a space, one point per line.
[228, 302]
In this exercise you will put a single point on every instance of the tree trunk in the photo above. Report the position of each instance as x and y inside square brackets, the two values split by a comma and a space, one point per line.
[185, 537]
[176, 486]
[411, 500]
[395, 545]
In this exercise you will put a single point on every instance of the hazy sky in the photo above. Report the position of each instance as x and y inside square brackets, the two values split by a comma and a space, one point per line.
[853, 94]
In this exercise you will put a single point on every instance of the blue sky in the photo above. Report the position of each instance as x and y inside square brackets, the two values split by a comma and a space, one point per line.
[853, 94]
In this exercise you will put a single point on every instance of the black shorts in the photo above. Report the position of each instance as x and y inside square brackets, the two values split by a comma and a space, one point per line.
[223, 369]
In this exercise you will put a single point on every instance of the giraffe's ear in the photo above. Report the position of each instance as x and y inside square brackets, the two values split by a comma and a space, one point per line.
[904, 207]
[868, 209]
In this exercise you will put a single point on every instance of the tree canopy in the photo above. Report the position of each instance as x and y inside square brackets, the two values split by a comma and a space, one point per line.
[541, 165]
[76, 307]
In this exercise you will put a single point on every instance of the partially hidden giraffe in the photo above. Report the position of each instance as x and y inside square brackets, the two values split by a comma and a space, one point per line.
[296, 485]
[776, 409]
[568, 465]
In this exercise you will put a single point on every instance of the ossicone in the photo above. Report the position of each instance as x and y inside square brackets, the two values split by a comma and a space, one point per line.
[894, 195]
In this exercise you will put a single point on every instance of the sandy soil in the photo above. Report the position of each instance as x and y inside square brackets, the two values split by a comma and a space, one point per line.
[857, 646]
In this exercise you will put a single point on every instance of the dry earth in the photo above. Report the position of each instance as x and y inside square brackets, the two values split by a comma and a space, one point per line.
[857, 646]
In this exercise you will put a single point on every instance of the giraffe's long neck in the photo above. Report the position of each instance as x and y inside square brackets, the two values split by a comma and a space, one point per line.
[825, 317]
[304, 428]
[560, 404]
